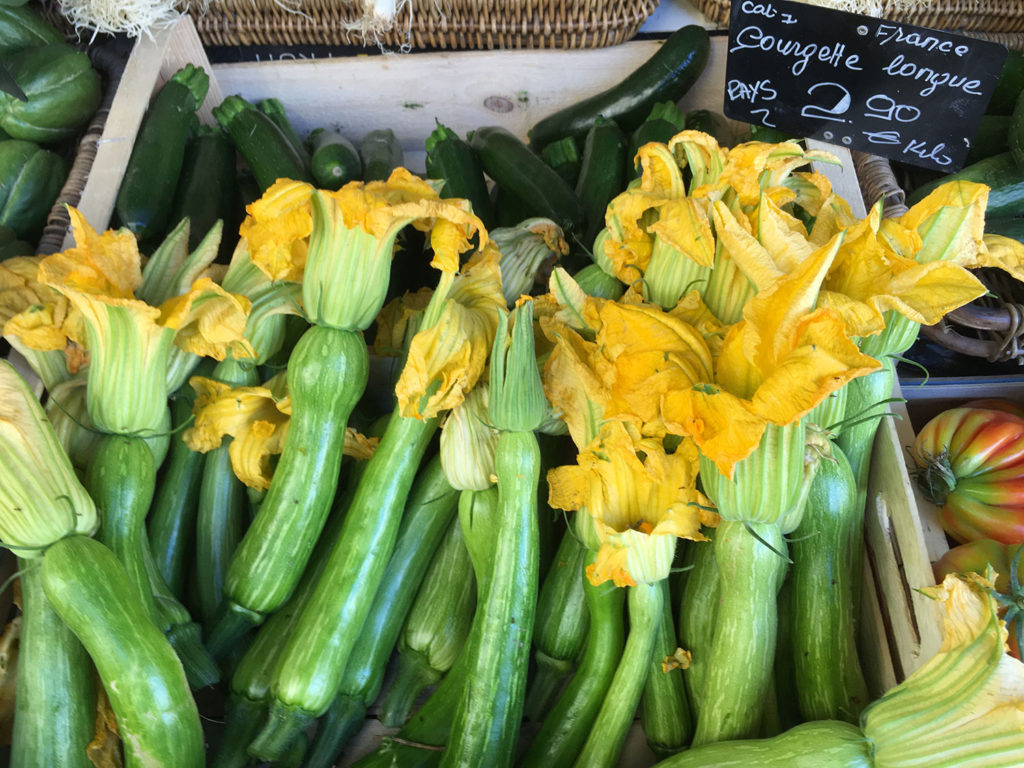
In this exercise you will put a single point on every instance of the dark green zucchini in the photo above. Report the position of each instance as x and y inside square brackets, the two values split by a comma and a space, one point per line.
[274, 109]
[664, 122]
[991, 138]
[1015, 133]
[207, 190]
[1008, 86]
[265, 148]
[711, 123]
[517, 169]
[157, 717]
[335, 159]
[1008, 226]
[452, 160]
[30, 180]
[380, 153]
[665, 76]
[1000, 173]
[564, 157]
[147, 190]
[602, 174]
[664, 710]
[23, 27]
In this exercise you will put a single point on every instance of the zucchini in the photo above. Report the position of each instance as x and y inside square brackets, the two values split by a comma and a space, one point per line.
[698, 611]
[30, 180]
[712, 123]
[335, 159]
[63, 92]
[564, 158]
[380, 153]
[664, 710]
[327, 372]
[263, 146]
[1015, 135]
[435, 629]
[23, 27]
[1000, 173]
[1008, 86]
[274, 109]
[516, 169]
[664, 121]
[810, 745]
[55, 707]
[602, 175]
[147, 190]
[453, 161]
[666, 76]
[991, 138]
[826, 548]
[565, 729]
[207, 190]
[1007, 226]
[561, 626]
[431, 506]
[156, 715]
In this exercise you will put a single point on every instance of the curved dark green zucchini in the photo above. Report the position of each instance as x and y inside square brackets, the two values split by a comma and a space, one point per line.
[274, 109]
[453, 161]
[156, 714]
[517, 169]
[602, 174]
[665, 76]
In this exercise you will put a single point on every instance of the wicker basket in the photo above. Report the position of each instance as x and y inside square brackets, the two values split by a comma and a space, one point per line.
[978, 15]
[456, 24]
[990, 327]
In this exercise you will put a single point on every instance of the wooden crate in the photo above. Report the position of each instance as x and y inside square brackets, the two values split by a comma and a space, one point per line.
[900, 628]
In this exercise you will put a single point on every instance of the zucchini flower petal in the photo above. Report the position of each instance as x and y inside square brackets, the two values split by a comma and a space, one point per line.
[257, 418]
[641, 499]
[210, 322]
[171, 269]
[106, 264]
[468, 443]
[516, 402]
[277, 229]
[447, 358]
[41, 498]
[524, 249]
[965, 706]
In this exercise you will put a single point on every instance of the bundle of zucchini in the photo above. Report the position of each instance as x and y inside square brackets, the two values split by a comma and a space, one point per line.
[52, 91]
[679, 429]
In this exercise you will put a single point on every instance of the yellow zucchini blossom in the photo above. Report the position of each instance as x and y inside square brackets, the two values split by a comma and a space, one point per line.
[468, 443]
[448, 354]
[129, 341]
[257, 418]
[339, 244]
[775, 365]
[641, 499]
[41, 498]
[965, 705]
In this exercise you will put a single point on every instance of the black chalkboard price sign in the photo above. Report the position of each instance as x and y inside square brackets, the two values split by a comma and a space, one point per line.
[907, 93]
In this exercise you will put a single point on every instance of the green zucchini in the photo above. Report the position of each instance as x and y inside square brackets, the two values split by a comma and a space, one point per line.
[560, 629]
[825, 549]
[172, 517]
[509, 209]
[664, 710]
[712, 123]
[564, 158]
[1015, 135]
[263, 146]
[30, 180]
[698, 611]
[1000, 173]
[207, 190]
[56, 703]
[991, 138]
[664, 121]
[274, 109]
[1007, 226]
[567, 725]
[327, 373]
[596, 282]
[810, 745]
[431, 506]
[314, 660]
[1008, 86]
[156, 715]
[517, 169]
[743, 648]
[147, 190]
[380, 153]
[23, 27]
[335, 159]
[602, 175]
[62, 89]
[453, 161]
[666, 76]
[435, 629]
[121, 479]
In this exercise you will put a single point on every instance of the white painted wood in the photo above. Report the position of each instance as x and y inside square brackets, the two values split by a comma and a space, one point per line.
[672, 14]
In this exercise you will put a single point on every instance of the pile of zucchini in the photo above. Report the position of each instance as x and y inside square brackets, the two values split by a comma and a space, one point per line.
[52, 93]
[353, 545]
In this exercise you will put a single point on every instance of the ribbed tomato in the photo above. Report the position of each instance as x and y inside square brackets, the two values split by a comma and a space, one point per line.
[971, 465]
[975, 557]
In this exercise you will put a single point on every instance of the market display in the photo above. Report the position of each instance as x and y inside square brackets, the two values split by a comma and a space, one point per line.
[566, 437]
